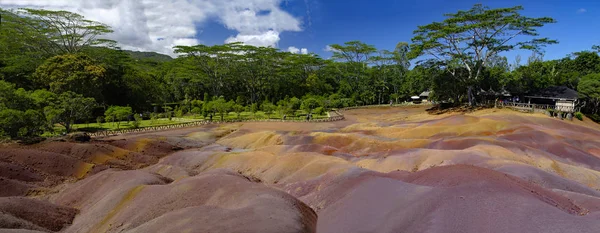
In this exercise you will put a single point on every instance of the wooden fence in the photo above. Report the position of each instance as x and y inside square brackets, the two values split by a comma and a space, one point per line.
[541, 108]
[107, 133]
[383, 105]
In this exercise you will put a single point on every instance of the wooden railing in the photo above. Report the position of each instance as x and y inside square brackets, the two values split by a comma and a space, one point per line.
[107, 133]
[535, 107]
[384, 105]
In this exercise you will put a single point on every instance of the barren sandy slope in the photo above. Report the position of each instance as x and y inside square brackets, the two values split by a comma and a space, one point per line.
[381, 170]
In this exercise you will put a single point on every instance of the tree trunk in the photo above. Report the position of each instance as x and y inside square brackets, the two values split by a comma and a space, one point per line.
[471, 97]
[68, 127]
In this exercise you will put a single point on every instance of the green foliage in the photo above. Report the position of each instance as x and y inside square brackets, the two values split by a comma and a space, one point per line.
[179, 112]
[63, 31]
[488, 32]
[309, 104]
[137, 121]
[589, 88]
[153, 118]
[47, 69]
[21, 124]
[220, 106]
[71, 72]
[99, 121]
[579, 116]
[319, 111]
[168, 112]
[117, 114]
[69, 107]
[12, 98]
[238, 109]
[197, 110]
[254, 108]
[268, 108]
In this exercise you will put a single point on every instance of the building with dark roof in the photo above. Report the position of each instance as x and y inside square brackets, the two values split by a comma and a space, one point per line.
[563, 98]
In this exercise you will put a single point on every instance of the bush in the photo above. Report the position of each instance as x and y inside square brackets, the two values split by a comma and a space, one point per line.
[137, 121]
[309, 104]
[179, 113]
[18, 124]
[99, 120]
[153, 117]
[319, 111]
[579, 116]
[197, 110]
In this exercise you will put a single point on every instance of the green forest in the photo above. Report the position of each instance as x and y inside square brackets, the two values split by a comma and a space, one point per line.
[57, 69]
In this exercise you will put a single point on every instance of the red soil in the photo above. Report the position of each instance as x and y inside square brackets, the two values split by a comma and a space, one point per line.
[486, 171]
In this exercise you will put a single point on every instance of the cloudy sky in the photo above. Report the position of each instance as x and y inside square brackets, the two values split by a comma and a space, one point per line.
[303, 26]
[158, 25]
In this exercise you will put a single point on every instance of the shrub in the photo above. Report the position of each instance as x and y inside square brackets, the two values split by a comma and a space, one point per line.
[137, 121]
[309, 104]
[197, 110]
[153, 117]
[18, 124]
[179, 112]
[579, 116]
[99, 120]
[319, 111]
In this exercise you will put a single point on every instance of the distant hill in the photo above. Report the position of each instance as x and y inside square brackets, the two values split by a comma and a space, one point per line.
[152, 56]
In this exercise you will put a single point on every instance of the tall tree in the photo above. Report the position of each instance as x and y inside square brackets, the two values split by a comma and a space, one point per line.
[71, 72]
[357, 55]
[468, 39]
[213, 61]
[65, 32]
[589, 88]
[69, 107]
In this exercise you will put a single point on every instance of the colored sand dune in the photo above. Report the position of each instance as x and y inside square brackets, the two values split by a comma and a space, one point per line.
[381, 170]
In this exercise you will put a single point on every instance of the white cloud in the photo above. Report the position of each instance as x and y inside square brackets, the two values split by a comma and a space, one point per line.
[328, 48]
[581, 10]
[295, 50]
[267, 39]
[158, 25]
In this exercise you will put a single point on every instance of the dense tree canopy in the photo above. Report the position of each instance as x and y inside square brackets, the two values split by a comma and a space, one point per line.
[56, 69]
[471, 39]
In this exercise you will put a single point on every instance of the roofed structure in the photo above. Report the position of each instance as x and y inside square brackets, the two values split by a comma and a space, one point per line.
[555, 93]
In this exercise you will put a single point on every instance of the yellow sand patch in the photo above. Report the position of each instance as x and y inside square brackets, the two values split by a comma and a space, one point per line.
[271, 168]
[114, 153]
[103, 226]
[225, 129]
[83, 169]
[361, 126]
[253, 140]
[362, 145]
[482, 127]
[140, 144]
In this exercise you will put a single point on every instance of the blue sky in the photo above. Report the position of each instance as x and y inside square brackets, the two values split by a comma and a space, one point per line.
[384, 23]
[158, 25]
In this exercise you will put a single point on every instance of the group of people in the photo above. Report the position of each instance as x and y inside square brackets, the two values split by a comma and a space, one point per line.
[514, 99]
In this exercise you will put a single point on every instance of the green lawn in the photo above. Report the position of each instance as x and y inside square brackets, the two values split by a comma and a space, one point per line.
[300, 115]
[94, 127]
